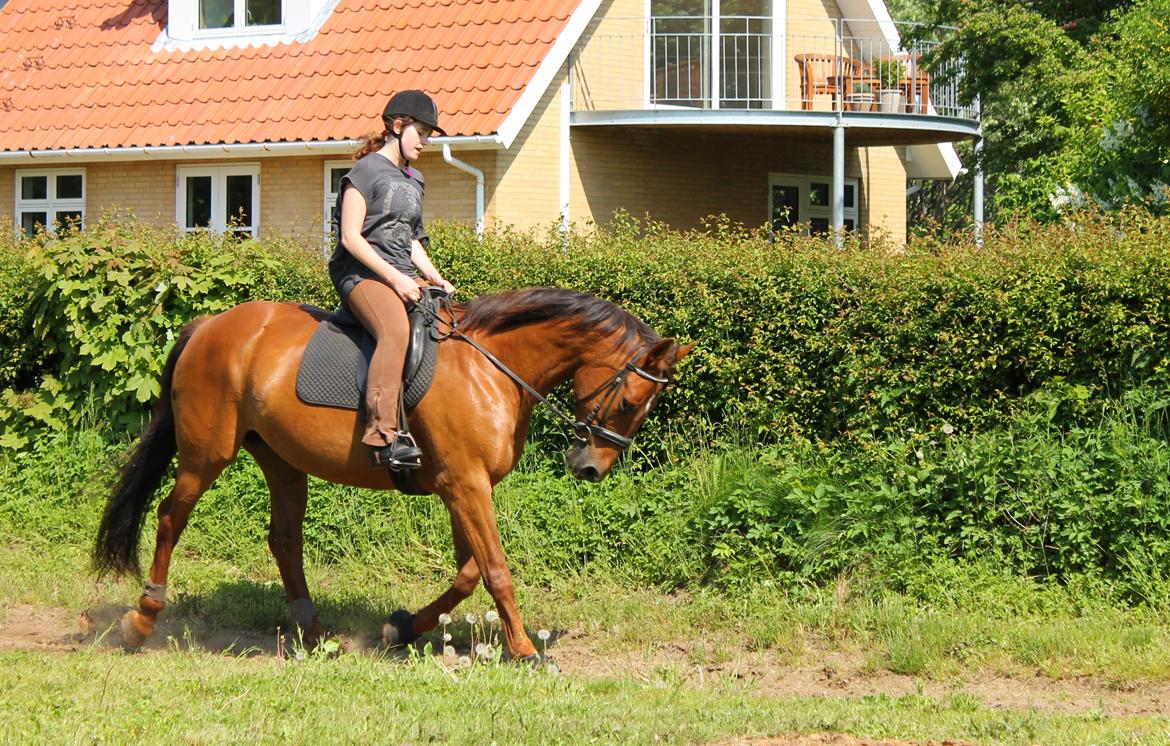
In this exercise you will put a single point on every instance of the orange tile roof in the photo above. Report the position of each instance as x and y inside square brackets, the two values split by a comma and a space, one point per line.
[81, 73]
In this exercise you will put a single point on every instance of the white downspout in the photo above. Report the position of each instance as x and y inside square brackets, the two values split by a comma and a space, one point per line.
[478, 185]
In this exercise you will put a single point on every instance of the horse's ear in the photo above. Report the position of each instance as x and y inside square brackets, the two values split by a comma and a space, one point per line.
[681, 351]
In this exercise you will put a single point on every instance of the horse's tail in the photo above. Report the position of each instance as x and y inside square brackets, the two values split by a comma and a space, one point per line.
[116, 548]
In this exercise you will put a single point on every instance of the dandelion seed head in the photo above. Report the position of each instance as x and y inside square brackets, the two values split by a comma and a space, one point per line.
[471, 619]
[446, 637]
[948, 428]
[449, 651]
[491, 617]
[480, 649]
[464, 661]
[444, 618]
[543, 634]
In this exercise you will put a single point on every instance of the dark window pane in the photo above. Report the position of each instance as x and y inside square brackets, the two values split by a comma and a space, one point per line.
[30, 220]
[818, 226]
[818, 194]
[239, 200]
[68, 221]
[34, 187]
[217, 13]
[198, 202]
[69, 186]
[262, 12]
[335, 175]
[849, 200]
[849, 225]
[785, 205]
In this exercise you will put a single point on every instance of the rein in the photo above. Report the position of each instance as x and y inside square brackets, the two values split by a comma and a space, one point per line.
[581, 428]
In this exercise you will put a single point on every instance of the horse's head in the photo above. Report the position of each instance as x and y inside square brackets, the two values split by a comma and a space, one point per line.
[614, 395]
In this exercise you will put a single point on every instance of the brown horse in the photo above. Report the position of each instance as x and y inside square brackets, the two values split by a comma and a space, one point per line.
[230, 382]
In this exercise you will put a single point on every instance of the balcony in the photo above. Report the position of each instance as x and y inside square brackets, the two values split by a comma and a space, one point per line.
[792, 73]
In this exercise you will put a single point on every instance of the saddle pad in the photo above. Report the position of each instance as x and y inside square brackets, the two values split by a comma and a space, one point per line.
[329, 370]
[337, 358]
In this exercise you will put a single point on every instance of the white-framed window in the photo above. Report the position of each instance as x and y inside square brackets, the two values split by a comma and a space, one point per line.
[218, 198]
[334, 170]
[50, 198]
[807, 200]
[238, 15]
[214, 24]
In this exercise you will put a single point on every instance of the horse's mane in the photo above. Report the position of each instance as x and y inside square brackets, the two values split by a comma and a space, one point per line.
[580, 312]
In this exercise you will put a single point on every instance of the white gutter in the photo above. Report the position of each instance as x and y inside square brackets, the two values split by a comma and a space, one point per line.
[221, 150]
[478, 183]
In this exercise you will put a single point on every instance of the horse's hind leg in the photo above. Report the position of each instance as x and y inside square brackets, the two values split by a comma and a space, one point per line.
[173, 512]
[289, 488]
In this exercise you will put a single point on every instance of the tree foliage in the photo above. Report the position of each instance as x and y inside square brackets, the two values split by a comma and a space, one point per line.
[1075, 96]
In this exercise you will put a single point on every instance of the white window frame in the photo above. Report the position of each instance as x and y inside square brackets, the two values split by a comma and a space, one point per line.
[51, 204]
[330, 201]
[218, 176]
[806, 211]
[239, 26]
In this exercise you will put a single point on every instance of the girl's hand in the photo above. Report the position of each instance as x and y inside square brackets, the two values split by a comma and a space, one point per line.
[446, 286]
[407, 289]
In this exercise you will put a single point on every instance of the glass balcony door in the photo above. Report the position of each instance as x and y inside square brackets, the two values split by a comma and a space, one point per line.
[689, 59]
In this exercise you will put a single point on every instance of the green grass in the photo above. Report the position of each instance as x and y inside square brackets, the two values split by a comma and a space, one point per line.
[197, 697]
[370, 553]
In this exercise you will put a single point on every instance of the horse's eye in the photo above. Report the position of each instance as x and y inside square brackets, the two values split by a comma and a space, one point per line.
[625, 407]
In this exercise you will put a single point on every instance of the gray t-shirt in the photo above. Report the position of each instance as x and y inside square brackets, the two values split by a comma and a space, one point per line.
[393, 219]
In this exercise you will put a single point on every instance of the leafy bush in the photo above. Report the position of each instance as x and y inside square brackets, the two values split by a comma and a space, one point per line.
[105, 307]
[794, 338]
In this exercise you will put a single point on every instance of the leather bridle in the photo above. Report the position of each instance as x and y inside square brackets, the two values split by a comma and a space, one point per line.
[615, 385]
[611, 388]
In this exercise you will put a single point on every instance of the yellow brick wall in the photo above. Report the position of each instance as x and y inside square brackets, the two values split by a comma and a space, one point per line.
[7, 195]
[146, 189]
[528, 190]
[883, 191]
[292, 195]
[608, 62]
[680, 177]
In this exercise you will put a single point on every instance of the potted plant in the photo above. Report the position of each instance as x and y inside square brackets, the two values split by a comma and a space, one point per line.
[861, 98]
[891, 73]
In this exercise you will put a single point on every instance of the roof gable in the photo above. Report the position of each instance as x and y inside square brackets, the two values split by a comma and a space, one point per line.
[77, 74]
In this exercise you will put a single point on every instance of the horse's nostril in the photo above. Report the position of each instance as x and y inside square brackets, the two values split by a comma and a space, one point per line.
[590, 473]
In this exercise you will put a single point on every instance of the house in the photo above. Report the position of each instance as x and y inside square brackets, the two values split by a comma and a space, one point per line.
[242, 114]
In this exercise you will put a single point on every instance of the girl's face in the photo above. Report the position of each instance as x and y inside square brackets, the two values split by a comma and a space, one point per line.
[414, 136]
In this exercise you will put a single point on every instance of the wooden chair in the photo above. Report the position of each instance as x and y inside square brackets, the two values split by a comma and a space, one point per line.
[824, 74]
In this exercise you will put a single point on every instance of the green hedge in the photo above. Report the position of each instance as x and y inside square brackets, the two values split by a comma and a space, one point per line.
[793, 337]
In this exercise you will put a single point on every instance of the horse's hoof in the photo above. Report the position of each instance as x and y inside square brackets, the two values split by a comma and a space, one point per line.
[539, 662]
[132, 637]
[399, 630]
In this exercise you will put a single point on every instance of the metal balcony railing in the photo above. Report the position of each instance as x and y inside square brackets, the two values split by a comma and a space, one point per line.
[753, 62]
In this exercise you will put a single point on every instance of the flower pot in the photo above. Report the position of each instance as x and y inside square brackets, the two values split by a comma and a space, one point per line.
[891, 100]
[859, 102]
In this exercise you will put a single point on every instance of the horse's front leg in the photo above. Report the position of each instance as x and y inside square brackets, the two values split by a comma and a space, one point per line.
[404, 628]
[473, 516]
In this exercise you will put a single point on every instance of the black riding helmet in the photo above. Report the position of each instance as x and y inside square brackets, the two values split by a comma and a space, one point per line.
[414, 104]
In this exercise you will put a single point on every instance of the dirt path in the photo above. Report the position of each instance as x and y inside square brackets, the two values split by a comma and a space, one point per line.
[824, 674]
